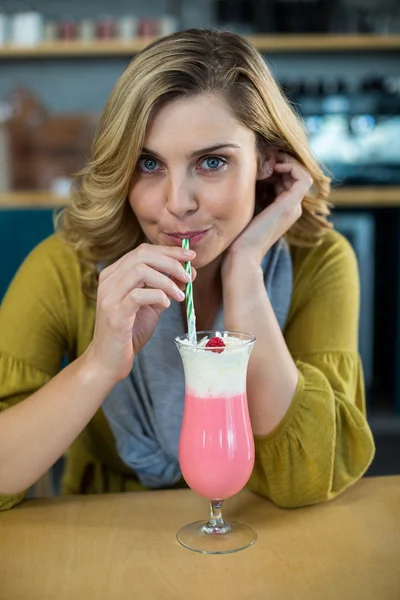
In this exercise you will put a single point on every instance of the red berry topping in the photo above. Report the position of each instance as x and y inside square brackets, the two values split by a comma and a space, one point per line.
[216, 344]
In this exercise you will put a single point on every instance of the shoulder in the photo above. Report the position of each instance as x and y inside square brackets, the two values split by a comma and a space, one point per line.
[49, 280]
[53, 250]
[331, 261]
[41, 305]
[52, 264]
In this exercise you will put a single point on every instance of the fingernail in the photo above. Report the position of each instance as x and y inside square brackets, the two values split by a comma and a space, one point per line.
[189, 253]
[187, 276]
[181, 295]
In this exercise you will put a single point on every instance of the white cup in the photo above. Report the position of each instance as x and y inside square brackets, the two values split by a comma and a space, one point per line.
[4, 23]
[168, 25]
[26, 29]
[61, 186]
[127, 28]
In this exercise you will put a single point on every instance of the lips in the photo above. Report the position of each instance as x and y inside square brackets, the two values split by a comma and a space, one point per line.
[194, 237]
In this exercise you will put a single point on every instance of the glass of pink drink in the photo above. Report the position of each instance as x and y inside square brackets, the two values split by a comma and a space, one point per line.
[216, 448]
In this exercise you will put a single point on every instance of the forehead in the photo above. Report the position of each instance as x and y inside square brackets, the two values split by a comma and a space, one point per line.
[200, 120]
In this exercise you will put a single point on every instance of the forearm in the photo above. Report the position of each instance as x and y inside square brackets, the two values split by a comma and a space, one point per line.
[272, 375]
[37, 431]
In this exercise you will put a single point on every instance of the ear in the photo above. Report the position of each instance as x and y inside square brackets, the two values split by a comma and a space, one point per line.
[267, 160]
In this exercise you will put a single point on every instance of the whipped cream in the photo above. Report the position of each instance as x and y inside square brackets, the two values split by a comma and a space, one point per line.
[211, 374]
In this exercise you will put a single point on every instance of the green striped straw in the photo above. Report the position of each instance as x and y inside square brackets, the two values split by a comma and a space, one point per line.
[191, 317]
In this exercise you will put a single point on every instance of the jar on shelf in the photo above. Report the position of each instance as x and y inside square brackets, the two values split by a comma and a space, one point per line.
[67, 29]
[50, 31]
[86, 30]
[148, 27]
[106, 28]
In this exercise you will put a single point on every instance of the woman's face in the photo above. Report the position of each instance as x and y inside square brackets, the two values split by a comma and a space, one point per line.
[196, 177]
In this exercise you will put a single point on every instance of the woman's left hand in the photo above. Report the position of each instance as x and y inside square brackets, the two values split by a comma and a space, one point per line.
[292, 182]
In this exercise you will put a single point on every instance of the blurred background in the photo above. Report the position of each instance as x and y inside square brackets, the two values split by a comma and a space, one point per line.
[338, 61]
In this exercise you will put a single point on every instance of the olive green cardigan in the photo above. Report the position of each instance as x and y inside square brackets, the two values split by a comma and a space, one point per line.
[322, 445]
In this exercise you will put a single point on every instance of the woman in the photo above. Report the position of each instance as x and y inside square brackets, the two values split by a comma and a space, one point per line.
[195, 141]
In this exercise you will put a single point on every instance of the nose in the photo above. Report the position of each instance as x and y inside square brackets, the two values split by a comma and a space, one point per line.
[180, 196]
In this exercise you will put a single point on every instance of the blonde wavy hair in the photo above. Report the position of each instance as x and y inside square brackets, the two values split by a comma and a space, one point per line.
[99, 222]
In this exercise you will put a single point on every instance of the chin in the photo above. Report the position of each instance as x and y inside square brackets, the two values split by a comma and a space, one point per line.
[203, 260]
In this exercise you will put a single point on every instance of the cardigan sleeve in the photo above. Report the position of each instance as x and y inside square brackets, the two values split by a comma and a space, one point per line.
[324, 443]
[36, 325]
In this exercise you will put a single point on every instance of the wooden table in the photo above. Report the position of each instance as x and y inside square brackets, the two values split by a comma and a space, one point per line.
[123, 547]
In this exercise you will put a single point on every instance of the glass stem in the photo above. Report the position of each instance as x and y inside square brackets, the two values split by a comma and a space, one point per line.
[216, 524]
[216, 519]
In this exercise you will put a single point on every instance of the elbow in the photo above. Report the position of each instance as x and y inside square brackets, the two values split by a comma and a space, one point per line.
[300, 499]
[352, 464]
[326, 483]
[10, 496]
[302, 484]
[349, 463]
[319, 478]
[290, 497]
[9, 486]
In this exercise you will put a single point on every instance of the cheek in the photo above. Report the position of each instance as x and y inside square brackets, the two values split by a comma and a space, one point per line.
[236, 197]
[141, 201]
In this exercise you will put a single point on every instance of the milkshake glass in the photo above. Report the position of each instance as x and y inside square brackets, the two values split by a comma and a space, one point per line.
[216, 448]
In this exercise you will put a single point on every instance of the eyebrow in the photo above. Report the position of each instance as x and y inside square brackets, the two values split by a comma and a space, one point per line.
[197, 153]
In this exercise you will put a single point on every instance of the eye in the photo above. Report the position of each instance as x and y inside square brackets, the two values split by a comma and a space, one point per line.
[212, 163]
[148, 165]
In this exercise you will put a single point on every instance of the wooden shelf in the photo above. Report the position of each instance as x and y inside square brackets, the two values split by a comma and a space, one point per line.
[368, 197]
[265, 43]
[34, 199]
[324, 43]
[77, 49]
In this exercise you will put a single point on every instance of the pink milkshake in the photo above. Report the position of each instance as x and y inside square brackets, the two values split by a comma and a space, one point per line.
[216, 450]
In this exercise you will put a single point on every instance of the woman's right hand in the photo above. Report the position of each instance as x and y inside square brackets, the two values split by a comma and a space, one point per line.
[132, 294]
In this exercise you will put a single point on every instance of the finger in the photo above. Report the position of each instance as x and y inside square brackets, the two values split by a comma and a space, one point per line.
[151, 253]
[142, 276]
[143, 297]
[287, 181]
[114, 282]
[288, 168]
[154, 255]
[158, 262]
[295, 170]
[180, 284]
[284, 157]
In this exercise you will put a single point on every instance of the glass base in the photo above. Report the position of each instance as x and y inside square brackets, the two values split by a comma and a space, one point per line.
[231, 537]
